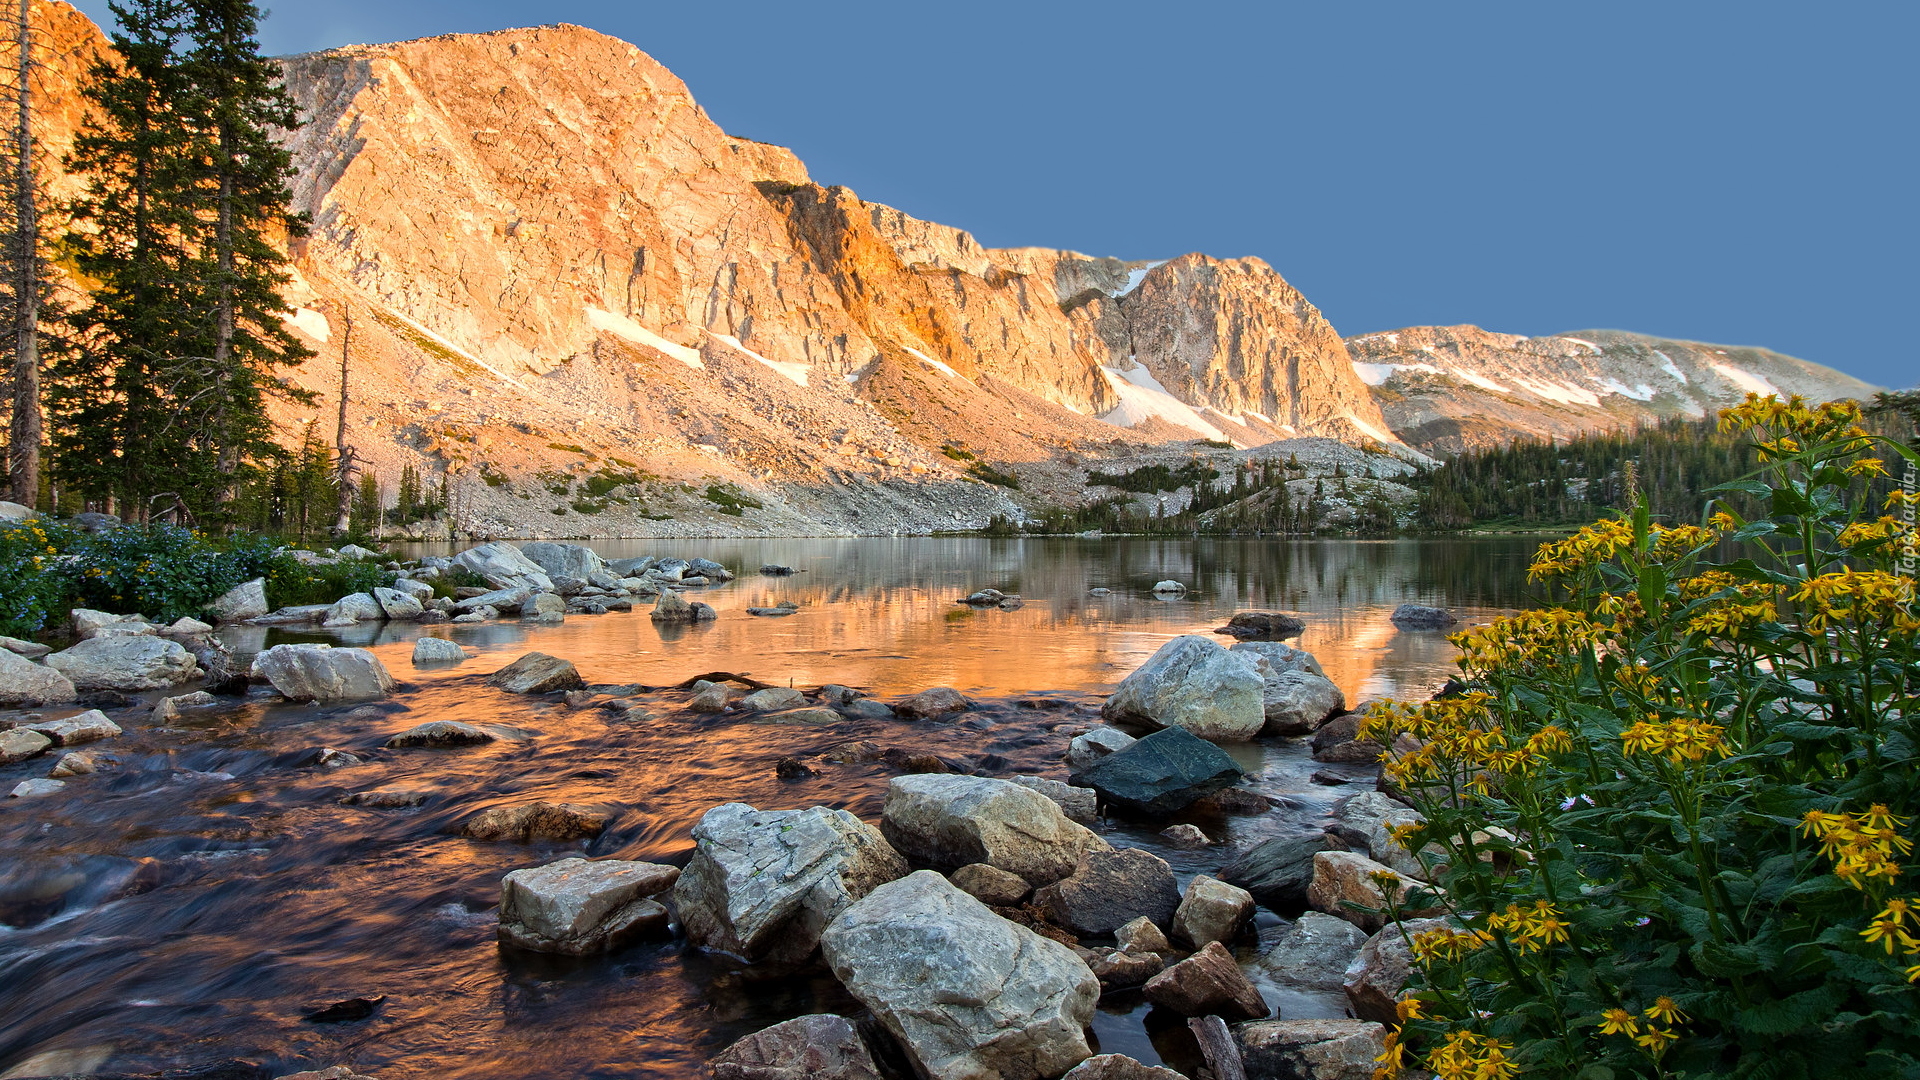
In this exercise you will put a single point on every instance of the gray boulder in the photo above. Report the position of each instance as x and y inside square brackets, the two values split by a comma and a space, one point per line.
[817, 1047]
[537, 673]
[1280, 656]
[763, 884]
[1298, 702]
[500, 601]
[579, 907]
[1193, 683]
[1277, 871]
[672, 607]
[1108, 890]
[86, 727]
[504, 567]
[429, 651]
[419, 590]
[775, 697]
[1161, 773]
[23, 682]
[1311, 1049]
[354, 608]
[19, 744]
[323, 673]
[969, 995]
[1119, 1067]
[1081, 804]
[1421, 617]
[709, 569]
[1086, 749]
[125, 663]
[564, 560]
[1314, 952]
[398, 606]
[949, 821]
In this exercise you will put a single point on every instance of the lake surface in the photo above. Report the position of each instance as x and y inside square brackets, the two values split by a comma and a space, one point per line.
[193, 905]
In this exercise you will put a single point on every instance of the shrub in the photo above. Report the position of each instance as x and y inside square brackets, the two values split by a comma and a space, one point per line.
[731, 500]
[982, 471]
[1669, 811]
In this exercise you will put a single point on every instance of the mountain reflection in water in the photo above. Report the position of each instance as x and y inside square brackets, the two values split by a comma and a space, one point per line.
[195, 904]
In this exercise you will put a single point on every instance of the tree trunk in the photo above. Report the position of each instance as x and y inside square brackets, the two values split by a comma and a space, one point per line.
[25, 434]
[343, 476]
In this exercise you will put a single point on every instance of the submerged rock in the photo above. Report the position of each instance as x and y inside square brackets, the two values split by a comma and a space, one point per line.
[578, 907]
[83, 763]
[817, 1047]
[948, 820]
[775, 697]
[537, 673]
[323, 673]
[433, 733]
[37, 789]
[1193, 683]
[1161, 773]
[968, 994]
[1262, 626]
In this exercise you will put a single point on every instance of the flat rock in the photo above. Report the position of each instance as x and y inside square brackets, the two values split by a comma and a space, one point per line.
[323, 673]
[19, 744]
[816, 1047]
[1162, 773]
[558, 822]
[441, 733]
[1109, 889]
[86, 727]
[932, 704]
[1118, 1067]
[1193, 683]
[125, 663]
[433, 651]
[950, 821]
[82, 763]
[811, 716]
[578, 907]
[1314, 952]
[1311, 1049]
[1211, 910]
[1207, 983]
[1081, 804]
[991, 885]
[968, 994]
[1262, 626]
[537, 673]
[763, 884]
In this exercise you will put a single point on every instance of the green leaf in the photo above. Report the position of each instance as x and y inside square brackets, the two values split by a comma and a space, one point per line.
[1725, 961]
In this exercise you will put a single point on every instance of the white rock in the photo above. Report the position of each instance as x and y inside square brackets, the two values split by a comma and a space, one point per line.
[969, 995]
[504, 567]
[1086, 749]
[35, 789]
[397, 605]
[433, 650]
[19, 744]
[1193, 683]
[125, 663]
[1298, 702]
[353, 608]
[86, 622]
[419, 590]
[355, 551]
[578, 907]
[323, 673]
[242, 602]
[86, 727]
[23, 682]
[188, 627]
[564, 560]
[950, 821]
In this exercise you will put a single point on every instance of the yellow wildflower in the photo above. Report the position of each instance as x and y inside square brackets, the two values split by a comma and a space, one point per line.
[1618, 1021]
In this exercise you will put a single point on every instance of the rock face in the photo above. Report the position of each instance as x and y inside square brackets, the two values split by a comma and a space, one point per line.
[577, 907]
[537, 673]
[1195, 684]
[23, 682]
[323, 673]
[1108, 890]
[817, 1047]
[764, 883]
[1311, 1049]
[125, 663]
[947, 820]
[1161, 773]
[969, 995]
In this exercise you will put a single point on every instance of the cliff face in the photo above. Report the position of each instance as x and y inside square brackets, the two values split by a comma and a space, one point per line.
[1450, 388]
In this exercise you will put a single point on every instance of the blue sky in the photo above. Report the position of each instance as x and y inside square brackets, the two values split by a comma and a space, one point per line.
[1732, 172]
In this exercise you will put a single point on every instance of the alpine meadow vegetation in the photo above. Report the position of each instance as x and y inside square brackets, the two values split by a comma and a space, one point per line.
[1667, 815]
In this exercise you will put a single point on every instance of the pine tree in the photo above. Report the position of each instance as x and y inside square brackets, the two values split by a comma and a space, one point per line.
[366, 505]
[27, 282]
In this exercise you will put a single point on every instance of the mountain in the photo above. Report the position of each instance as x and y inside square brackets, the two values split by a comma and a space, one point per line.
[1445, 389]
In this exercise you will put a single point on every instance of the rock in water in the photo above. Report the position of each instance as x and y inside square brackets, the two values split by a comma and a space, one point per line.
[775, 697]
[1161, 773]
[1110, 889]
[537, 673]
[86, 727]
[125, 663]
[578, 907]
[1338, 741]
[429, 651]
[323, 673]
[354, 608]
[242, 602]
[1311, 1049]
[398, 605]
[37, 789]
[1193, 683]
[1277, 871]
[1262, 626]
[672, 607]
[969, 995]
[950, 821]
[933, 704]
[557, 822]
[1342, 877]
[1421, 617]
[817, 1047]
[564, 560]
[1314, 953]
[1080, 804]
[1208, 982]
[1118, 1067]
[1298, 702]
[23, 682]
[1211, 910]
[19, 744]
[1086, 749]
[504, 567]
[439, 733]
[762, 884]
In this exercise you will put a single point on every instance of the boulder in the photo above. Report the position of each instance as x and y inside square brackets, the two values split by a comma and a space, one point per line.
[991, 885]
[1118, 969]
[627, 568]
[503, 567]
[813, 716]
[1086, 749]
[187, 627]
[13, 511]
[1081, 804]
[1298, 702]
[498, 602]
[1280, 656]
[968, 994]
[125, 663]
[709, 569]
[578, 907]
[428, 651]
[816, 1047]
[672, 607]
[87, 623]
[419, 590]
[398, 605]
[932, 704]
[1211, 910]
[1193, 683]
[545, 605]
[835, 694]
[710, 697]
[23, 682]
[1344, 877]
[1376, 976]
[1168, 586]
[19, 744]
[564, 560]
[1161, 773]
[1314, 952]
[1118, 1067]
[537, 673]
[1311, 1049]
[869, 709]
[439, 733]
[355, 608]
[1338, 741]
[1207, 983]
[355, 551]
[1421, 617]
[1277, 871]
[557, 822]
[1262, 626]
[31, 650]
[86, 727]
[1108, 890]
[323, 673]
[950, 821]
[763, 884]
[775, 697]
[1142, 935]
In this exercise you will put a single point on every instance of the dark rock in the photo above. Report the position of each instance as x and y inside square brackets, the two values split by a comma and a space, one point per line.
[818, 1047]
[1277, 871]
[1336, 741]
[1330, 778]
[853, 752]
[776, 570]
[442, 733]
[346, 1011]
[1162, 773]
[1262, 626]
[105, 699]
[1108, 890]
[916, 763]
[537, 673]
[1421, 617]
[868, 709]
[430, 616]
[1238, 800]
[1207, 983]
[535, 821]
[791, 769]
[933, 704]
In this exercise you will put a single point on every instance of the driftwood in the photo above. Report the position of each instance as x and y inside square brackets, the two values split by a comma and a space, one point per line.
[1218, 1047]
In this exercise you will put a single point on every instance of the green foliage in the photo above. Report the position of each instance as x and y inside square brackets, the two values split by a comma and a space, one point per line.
[290, 581]
[413, 501]
[294, 493]
[1148, 479]
[364, 518]
[730, 499]
[1668, 811]
[982, 471]
[958, 453]
[493, 477]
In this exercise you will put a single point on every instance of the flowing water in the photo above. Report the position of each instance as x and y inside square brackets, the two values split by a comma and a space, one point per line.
[194, 905]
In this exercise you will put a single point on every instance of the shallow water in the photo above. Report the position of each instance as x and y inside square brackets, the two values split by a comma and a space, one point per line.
[194, 905]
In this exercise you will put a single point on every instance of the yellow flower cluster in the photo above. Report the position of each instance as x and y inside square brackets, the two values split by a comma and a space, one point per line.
[1536, 641]
[1470, 1056]
[1532, 928]
[1584, 550]
[1679, 741]
[1793, 425]
[1446, 943]
[1735, 604]
[1863, 597]
[1645, 1029]
[1887, 528]
[1458, 743]
[1393, 1056]
[1862, 847]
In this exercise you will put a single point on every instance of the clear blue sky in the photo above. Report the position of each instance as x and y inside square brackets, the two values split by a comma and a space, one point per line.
[1738, 172]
